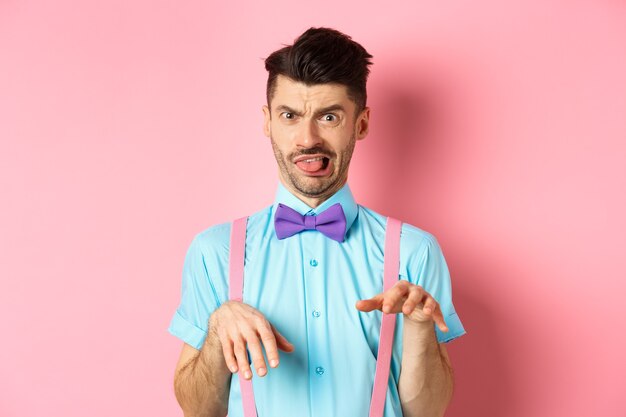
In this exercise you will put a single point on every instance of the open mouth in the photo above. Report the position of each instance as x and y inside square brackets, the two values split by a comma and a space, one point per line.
[314, 165]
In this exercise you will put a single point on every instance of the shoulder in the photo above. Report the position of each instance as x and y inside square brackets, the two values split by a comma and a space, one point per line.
[217, 237]
[417, 240]
[213, 237]
[412, 238]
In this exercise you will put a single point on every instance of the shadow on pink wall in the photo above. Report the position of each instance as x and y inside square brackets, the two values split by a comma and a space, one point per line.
[415, 126]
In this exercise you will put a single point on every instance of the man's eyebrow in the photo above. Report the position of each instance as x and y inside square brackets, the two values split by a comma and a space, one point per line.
[283, 108]
[330, 109]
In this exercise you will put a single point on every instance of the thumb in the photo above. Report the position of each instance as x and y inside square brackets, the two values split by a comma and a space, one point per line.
[374, 303]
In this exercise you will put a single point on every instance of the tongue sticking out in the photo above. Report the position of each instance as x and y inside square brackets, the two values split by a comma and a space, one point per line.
[312, 166]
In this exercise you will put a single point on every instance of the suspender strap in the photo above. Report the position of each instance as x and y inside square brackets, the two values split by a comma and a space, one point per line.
[236, 263]
[236, 258]
[387, 327]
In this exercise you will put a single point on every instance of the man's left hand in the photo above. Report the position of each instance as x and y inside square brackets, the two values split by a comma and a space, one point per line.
[410, 299]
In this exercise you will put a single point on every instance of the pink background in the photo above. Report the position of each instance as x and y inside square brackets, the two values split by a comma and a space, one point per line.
[127, 127]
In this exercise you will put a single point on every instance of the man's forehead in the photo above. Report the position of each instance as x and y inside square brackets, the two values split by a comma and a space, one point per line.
[292, 93]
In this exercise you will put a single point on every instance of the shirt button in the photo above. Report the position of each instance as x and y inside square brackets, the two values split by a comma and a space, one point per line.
[319, 370]
[313, 262]
[316, 313]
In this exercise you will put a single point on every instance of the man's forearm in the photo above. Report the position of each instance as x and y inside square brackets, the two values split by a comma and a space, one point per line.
[426, 380]
[202, 384]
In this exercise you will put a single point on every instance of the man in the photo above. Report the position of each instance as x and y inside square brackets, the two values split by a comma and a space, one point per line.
[308, 327]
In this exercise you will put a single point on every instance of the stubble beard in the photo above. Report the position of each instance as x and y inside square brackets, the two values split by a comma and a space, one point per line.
[315, 187]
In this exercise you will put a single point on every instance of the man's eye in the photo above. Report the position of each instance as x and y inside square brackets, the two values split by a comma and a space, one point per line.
[288, 115]
[329, 118]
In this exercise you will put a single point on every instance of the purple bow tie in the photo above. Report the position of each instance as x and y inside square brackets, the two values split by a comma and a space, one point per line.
[331, 222]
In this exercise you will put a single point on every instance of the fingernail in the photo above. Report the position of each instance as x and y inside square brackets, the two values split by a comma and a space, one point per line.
[247, 375]
[273, 363]
[233, 369]
[261, 371]
[385, 309]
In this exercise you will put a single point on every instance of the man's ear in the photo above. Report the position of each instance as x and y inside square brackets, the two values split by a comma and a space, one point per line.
[363, 124]
[267, 118]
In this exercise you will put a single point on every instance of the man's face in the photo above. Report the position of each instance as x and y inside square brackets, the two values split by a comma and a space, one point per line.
[313, 130]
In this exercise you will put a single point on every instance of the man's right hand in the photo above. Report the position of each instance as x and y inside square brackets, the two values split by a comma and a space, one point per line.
[239, 326]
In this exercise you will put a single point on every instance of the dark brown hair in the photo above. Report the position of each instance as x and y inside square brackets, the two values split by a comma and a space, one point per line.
[322, 56]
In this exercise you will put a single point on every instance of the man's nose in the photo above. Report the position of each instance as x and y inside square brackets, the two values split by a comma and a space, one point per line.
[308, 135]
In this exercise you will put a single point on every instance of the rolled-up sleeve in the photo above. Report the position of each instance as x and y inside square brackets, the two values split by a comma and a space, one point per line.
[198, 298]
[428, 269]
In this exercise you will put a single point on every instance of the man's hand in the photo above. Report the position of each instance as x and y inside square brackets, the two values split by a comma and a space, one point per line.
[410, 299]
[237, 326]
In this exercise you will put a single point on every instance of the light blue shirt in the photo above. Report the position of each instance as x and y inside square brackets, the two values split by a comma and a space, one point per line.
[307, 286]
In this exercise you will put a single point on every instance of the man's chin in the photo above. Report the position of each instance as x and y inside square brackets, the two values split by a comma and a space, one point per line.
[313, 187]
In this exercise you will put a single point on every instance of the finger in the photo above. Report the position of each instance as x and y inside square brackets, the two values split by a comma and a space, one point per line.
[369, 305]
[430, 306]
[269, 343]
[242, 358]
[438, 317]
[256, 354]
[395, 296]
[229, 355]
[416, 294]
[282, 342]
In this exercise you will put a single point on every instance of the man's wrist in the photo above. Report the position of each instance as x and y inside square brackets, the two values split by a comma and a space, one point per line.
[211, 350]
[419, 331]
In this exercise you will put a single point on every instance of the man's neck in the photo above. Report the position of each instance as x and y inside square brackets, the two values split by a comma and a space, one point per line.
[312, 201]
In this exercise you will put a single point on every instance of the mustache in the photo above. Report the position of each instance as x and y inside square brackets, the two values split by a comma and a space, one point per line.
[312, 151]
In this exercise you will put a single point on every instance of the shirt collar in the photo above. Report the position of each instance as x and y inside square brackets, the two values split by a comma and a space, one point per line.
[343, 196]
